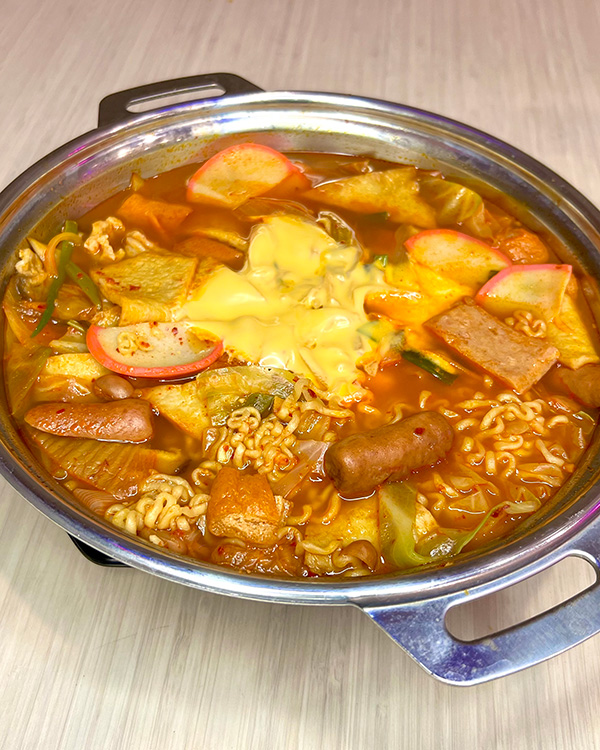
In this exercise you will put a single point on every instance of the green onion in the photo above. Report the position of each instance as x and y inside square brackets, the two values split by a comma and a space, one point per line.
[66, 250]
[376, 329]
[380, 217]
[84, 282]
[76, 325]
[262, 402]
[422, 361]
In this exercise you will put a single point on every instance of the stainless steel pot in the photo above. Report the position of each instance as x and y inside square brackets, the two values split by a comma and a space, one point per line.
[410, 607]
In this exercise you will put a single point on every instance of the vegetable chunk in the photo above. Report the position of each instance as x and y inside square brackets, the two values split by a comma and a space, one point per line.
[212, 396]
[395, 191]
[23, 365]
[504, 353]
[118, 469]
[79, 365]
[68, 377]
[570, 333]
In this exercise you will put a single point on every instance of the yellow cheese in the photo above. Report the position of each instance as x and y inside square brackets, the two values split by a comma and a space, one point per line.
[297, 303]
[229, 293]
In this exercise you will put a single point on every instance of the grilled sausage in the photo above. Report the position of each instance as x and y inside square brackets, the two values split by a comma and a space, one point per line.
[584, 383]
[359, 463]
[125, 421]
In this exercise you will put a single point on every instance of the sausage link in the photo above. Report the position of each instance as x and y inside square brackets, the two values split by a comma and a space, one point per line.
[359, 463]
[125, 421]
[112, 387]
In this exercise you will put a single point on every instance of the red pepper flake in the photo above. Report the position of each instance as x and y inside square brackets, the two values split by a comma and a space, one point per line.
[419, 430]
[174, 331]
[60, 411]
[134, 287]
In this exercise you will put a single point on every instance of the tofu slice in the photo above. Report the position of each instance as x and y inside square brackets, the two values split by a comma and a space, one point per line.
[243, 506]
[506, 354]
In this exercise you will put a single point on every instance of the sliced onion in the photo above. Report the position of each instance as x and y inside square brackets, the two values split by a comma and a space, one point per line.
[96, 500]
[310, 454]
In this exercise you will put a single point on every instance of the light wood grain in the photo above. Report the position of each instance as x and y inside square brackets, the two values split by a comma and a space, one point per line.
[100, 658]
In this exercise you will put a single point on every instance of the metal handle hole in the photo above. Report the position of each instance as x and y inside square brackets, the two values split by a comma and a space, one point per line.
[488, 615]
[190, 95]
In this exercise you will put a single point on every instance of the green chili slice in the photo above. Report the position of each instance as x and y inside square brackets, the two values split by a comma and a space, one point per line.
[65, 250]
[262, 402]
[84, 282]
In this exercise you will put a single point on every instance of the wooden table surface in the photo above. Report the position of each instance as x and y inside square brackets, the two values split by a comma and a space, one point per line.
[102, 658]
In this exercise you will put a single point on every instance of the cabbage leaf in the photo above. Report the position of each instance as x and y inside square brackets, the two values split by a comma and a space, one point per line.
[210, 398]
[453, 203]
[397, 514]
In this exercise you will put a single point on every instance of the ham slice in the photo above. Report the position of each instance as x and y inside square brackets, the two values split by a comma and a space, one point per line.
[508, 355]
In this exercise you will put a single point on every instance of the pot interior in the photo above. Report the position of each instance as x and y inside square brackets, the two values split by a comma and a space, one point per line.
[81, 174]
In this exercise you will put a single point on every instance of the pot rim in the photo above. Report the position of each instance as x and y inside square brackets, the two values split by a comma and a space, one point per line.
[539, 548]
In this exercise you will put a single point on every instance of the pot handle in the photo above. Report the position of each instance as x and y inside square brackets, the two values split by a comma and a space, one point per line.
[93, 555]
[115, 108]
[420, 629]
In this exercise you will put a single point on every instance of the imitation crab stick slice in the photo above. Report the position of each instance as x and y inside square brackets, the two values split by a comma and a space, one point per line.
[237, 173]
[456, 256]
[538, 289]
[154, 350]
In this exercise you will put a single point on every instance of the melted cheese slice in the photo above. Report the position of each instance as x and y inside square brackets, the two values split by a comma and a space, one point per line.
[297, 303]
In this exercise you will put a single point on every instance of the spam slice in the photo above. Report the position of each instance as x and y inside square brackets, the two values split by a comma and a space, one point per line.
[510, 356]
